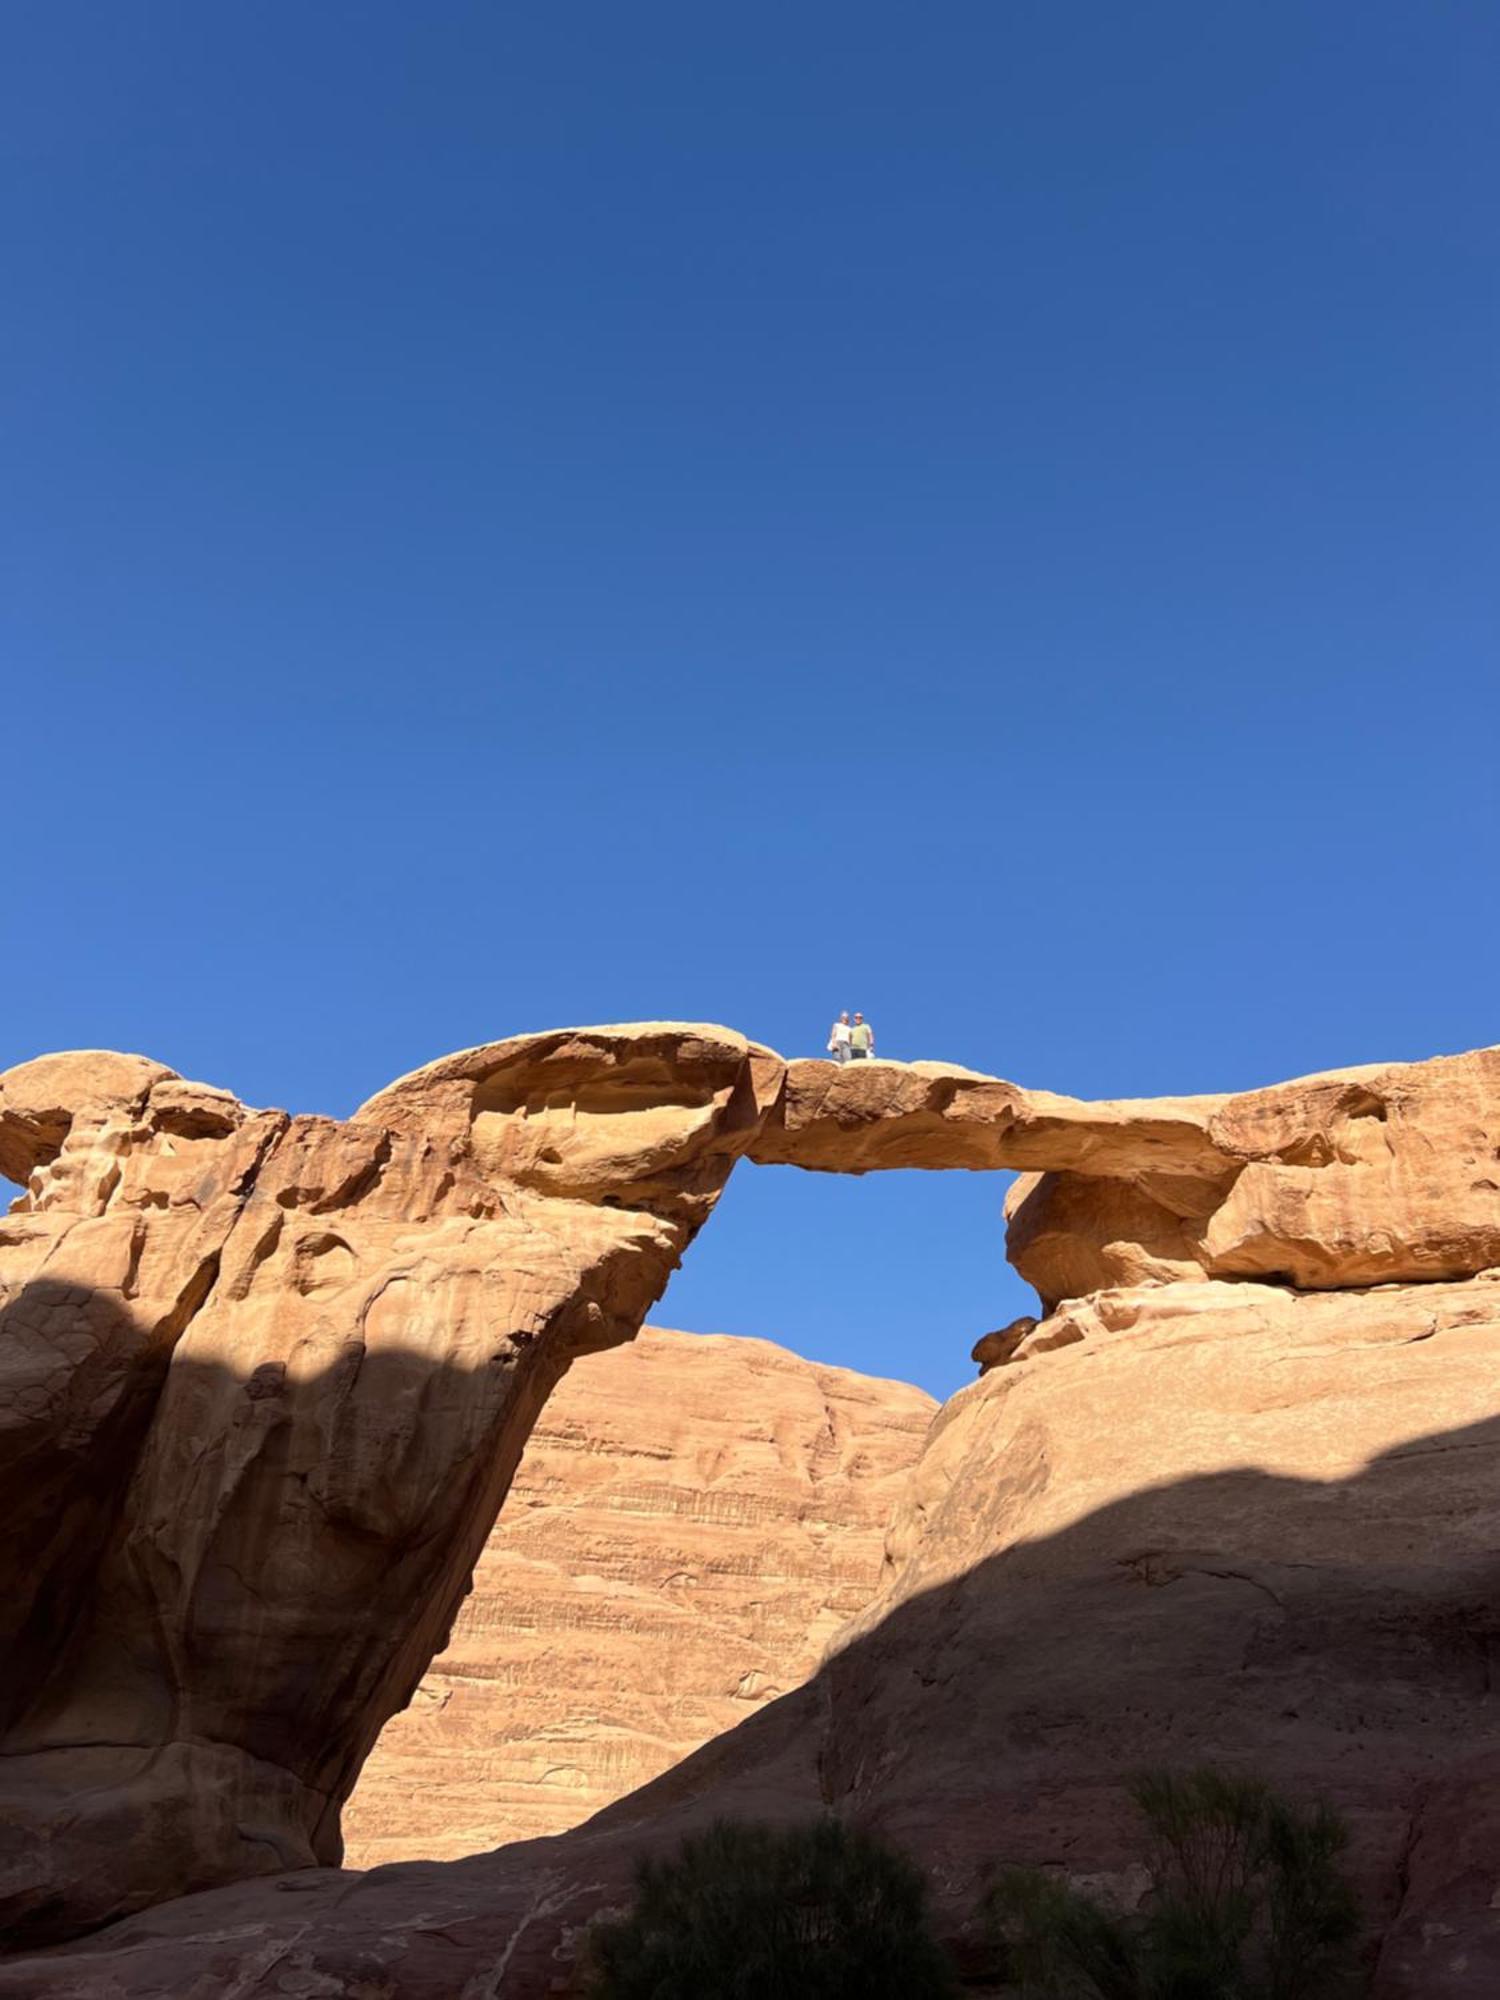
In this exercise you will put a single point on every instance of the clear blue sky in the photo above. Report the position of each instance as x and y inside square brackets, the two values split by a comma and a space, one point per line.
[986, 514]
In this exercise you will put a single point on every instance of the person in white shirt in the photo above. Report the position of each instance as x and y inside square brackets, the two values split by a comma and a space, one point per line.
[839, 1038]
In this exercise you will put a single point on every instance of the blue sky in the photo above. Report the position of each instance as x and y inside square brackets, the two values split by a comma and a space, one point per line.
[529, 515]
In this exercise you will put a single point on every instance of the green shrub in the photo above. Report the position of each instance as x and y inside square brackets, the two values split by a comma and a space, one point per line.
[1247, 1904]
[746, 1912]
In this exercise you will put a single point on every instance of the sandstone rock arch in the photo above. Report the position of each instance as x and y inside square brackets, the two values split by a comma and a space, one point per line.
[264, 1379]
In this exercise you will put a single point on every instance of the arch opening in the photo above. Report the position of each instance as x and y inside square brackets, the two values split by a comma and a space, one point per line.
[895, 1273]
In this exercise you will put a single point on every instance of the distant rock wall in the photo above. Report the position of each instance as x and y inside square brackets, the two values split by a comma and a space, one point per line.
[693, 1520]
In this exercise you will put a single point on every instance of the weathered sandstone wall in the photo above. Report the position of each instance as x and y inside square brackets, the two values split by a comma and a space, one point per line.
[694, 1519]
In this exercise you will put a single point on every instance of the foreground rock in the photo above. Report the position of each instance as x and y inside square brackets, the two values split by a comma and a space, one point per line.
[263, 1385]
[693, 1521]
[1195, 1520]
[264, 1382]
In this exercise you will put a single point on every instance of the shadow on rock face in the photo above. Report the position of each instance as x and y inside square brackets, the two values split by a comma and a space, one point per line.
[79, 1378]
[219, 1587]
[264, 1382]
[223, 1665]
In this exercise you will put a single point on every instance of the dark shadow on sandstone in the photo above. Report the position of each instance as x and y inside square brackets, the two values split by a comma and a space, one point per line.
[1339, 1639]
[219, 1587]
[67, 1449]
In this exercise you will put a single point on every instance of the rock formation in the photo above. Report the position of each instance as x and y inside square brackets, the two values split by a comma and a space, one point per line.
[1203, 1519]
[693, 1520]
[265, 1381]
[1360, 1177]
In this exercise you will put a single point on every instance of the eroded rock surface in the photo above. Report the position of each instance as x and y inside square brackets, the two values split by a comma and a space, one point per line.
[693, 1521]
[1360, 1177]
[265, 1380]
[1206, 1519]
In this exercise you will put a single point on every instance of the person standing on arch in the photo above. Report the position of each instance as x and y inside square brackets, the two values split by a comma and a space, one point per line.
[861, 1040]
[838, 1038]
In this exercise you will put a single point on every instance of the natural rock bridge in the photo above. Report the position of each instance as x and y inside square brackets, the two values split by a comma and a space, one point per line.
[265, 1379]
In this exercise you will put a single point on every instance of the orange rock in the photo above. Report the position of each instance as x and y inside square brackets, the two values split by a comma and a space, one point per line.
[1363, 1176]
[264, 1382]
[263, 1385]
[693, 1520]
[1072, 1234]
[1188, 1521]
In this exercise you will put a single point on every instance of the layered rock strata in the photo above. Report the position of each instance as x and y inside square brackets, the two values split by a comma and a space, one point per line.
[693, 1520]
[266, 1380]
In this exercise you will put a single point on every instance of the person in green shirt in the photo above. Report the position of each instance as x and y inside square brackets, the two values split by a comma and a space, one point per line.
[861, 1040]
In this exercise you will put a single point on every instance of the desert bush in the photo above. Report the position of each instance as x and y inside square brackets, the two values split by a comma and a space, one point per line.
[1247, 1904]
[748, 1912]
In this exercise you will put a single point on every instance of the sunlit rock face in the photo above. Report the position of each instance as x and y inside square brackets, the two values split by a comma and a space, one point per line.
[264, 1382]
[694, 1519]
[1360, 1177]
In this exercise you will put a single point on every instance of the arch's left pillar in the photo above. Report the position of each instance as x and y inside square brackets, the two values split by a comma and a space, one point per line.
[264, 1382]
